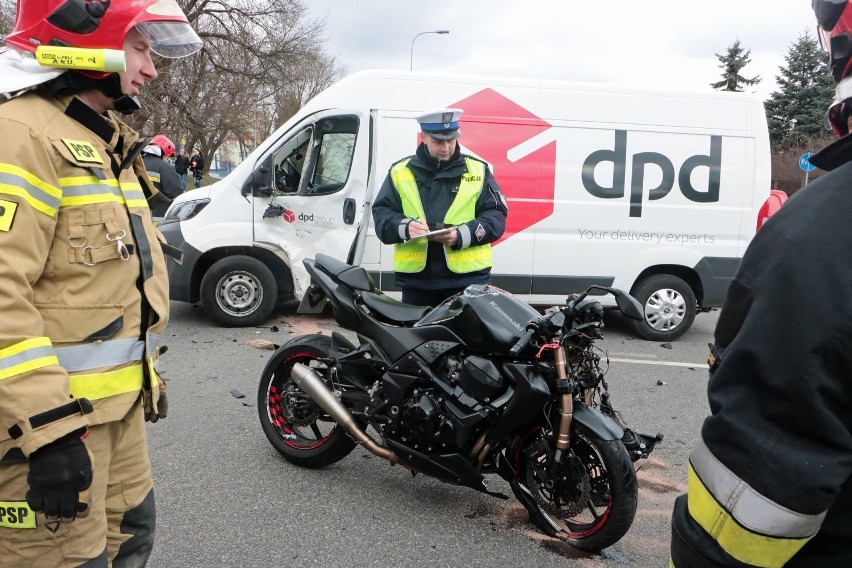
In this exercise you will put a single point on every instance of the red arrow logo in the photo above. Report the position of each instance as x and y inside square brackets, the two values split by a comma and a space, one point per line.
[492, 125]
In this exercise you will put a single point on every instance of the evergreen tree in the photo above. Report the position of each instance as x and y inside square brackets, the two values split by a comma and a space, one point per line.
[731, 64]
[796, 111]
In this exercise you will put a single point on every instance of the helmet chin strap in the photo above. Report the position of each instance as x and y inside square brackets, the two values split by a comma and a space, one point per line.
[126, 104]
[71, 83]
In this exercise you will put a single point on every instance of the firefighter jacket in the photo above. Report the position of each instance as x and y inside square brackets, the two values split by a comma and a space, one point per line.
[459, 192]
[770, 481]
[85, 291]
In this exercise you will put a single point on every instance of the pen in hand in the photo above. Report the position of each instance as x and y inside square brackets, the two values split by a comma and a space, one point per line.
[416, 227]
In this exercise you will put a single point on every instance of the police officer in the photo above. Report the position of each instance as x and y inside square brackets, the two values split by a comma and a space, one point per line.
[770, 481]
[439, 188]
[85, 292]
[161, 173]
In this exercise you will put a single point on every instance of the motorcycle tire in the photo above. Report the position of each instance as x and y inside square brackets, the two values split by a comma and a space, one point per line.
[295, 426]
[610, 498]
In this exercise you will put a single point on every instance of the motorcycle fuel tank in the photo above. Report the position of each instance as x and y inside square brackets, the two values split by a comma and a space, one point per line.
[486, 318]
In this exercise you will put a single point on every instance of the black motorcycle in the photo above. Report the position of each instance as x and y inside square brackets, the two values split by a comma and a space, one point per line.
[482, 383]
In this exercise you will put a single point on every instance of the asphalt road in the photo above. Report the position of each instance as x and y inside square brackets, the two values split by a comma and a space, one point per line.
[225, 498]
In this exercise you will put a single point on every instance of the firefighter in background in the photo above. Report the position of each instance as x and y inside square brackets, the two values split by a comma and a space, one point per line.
[85, 291]
[770, 481]
[161, 173]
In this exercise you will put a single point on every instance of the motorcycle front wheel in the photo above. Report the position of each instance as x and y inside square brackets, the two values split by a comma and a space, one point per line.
[295, 426]
[592, 498]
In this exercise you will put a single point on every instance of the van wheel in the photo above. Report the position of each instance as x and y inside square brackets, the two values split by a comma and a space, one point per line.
[239, 291]
[669, 306]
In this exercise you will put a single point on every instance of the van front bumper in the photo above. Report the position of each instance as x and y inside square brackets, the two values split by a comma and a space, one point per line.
[180, 275]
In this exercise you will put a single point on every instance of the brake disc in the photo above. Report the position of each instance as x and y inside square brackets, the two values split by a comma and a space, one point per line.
[565, 496]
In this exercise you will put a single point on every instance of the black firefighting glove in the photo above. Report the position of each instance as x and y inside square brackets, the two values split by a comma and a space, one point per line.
[58, 473]
[162, 402]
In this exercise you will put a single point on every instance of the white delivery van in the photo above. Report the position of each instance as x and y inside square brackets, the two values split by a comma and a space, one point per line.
[656, 193]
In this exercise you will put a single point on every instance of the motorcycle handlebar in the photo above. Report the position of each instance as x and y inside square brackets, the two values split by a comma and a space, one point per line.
[523, 341]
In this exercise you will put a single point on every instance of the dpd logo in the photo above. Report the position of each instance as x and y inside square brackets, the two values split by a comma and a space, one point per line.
[618, 157]
[528, 183]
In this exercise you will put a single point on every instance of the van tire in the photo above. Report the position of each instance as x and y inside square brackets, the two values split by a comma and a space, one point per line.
[239, 291]
[669, 307]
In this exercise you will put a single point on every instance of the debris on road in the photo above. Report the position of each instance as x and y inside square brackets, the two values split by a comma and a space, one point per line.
[237, 393]
[262, 344]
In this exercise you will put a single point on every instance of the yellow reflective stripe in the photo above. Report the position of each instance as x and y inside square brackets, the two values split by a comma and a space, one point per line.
[16, 515]
[25, 356]
[96, 386]
[40, 195]
[744, 545]
[472, 254]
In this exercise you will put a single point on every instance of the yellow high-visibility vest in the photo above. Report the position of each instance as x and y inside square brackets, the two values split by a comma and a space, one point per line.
[410, 256]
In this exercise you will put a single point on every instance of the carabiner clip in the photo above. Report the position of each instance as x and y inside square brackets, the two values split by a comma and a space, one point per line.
[120, 247]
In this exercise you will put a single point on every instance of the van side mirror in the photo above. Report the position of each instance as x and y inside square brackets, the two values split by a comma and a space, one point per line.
[257, 183]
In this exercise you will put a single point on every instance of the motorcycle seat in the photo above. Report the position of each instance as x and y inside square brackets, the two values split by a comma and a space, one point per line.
[392, 310]
[353, 276]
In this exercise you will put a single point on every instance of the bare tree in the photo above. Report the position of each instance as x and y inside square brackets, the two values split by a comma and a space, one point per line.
[261, 61]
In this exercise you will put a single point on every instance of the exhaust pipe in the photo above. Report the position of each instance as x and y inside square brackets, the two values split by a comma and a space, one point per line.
[309, 381]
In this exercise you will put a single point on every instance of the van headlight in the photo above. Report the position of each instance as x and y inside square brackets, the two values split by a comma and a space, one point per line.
[185, 210]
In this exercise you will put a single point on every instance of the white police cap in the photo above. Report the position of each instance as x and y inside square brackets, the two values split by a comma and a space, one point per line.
[441, 124]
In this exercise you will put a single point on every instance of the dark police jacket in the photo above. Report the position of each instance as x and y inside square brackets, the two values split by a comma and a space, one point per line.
[438, 183]
[771, 480]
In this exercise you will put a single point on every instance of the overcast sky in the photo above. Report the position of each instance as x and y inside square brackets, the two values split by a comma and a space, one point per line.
[667, 44]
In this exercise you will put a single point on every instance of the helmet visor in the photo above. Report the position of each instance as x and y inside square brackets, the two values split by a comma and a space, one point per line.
[170, 38]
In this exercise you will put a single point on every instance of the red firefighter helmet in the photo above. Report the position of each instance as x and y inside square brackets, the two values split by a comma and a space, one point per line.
[103, 24]
[166, 145]
[834, 25]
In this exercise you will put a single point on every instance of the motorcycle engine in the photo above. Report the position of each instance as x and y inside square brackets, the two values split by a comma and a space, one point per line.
[423, 424]
[426, 423]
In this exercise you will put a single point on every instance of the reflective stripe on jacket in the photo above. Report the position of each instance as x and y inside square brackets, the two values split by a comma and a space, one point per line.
[410, 256]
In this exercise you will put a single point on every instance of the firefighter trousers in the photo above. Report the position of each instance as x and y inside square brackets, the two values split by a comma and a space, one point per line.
[118, 531]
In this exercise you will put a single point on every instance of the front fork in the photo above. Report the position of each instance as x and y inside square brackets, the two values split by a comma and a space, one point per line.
[566, 408]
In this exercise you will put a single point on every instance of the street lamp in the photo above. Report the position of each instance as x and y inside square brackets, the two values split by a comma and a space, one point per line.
[411, 62]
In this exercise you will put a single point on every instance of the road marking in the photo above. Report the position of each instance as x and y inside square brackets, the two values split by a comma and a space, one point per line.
[666, 363]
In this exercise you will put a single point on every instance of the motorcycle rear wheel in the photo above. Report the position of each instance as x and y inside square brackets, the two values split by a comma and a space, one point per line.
[608, 491]
[295, 426]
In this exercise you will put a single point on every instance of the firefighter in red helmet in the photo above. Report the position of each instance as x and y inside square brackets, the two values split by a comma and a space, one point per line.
[85, 292]
[770, 480]
[161, 173]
